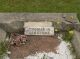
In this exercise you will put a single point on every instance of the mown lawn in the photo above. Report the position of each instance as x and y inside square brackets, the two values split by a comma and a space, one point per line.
[40, 6]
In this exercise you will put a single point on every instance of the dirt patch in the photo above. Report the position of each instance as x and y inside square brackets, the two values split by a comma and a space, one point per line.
[33, 45]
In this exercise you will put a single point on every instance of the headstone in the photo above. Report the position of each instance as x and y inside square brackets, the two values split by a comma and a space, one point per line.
[38, 28]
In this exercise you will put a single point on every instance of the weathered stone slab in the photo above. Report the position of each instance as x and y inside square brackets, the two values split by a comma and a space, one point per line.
[14, 26]
[76, 43]
[10, 17]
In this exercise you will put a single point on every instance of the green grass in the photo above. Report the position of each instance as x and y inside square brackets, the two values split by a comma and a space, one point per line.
[78, 15]
[3, 49]
[40, 6]
[67, 37]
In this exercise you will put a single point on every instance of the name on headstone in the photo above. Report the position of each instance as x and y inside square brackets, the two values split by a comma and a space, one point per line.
[39, 31]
